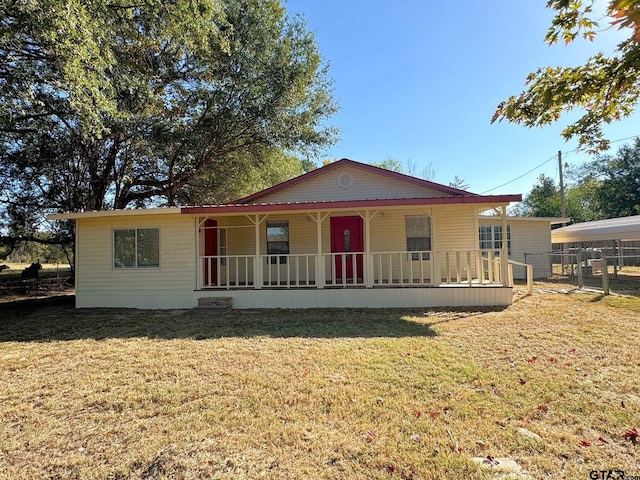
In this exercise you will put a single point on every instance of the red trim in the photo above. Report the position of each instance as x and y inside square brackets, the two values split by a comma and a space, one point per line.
[392, 202]
[363, 166]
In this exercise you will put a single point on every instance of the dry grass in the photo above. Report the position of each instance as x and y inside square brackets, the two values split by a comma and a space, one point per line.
[115, 394]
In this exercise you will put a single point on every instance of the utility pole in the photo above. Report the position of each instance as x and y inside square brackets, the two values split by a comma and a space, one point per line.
[563, 206]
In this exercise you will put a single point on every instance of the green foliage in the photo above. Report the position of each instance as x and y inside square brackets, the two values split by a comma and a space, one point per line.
[392, 164]
[605, 89]
[119, 105]
[618, 193]
[607, 187]
[31, 252]
[459, 183]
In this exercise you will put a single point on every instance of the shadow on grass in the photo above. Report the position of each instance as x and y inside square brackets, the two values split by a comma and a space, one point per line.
[56, 319]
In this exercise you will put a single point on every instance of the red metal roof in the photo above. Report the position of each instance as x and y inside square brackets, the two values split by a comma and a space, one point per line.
[276, 207]
[363, 166]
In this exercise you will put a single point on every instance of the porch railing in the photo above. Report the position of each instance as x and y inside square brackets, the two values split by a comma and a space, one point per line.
[229, 271]
[285, 271]
[402, 268]
[354, 269]
[344, 269]
[472, 267]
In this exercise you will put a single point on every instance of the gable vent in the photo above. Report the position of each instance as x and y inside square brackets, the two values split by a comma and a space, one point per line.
[345, 180]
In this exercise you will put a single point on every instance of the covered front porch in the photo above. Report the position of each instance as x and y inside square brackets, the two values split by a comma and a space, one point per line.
[356, 251]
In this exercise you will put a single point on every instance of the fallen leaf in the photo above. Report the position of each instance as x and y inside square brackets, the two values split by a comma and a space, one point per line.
[632, 435]
[434, 414]
[585, 443]
[410, 475]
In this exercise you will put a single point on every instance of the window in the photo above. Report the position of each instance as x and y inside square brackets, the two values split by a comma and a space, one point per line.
[491, 237]
[278, 240]
[418, 235]
[136, 248]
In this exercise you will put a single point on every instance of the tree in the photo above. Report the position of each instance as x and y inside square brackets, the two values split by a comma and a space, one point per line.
[408, 168]
[605, 88]
[459, 183]
[127, 104]
[544, 199]
[606, 187]
[392, 164]
[618, 192]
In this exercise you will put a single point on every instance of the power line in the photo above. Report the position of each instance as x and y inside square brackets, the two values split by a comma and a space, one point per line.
[548, 160]
[523, 175]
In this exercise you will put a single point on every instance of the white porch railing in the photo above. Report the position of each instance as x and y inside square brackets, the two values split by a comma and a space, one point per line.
[229, 271]
[286, 271]
[471, 267]
[529, 269]
[344, 269]
[402, 268]
[355, 269]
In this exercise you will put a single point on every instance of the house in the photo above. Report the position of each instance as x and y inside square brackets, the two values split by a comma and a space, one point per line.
[345, 235]
[528, 241]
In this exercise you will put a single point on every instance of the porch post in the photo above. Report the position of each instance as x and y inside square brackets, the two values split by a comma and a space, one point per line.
[319, 262]
[368, 273]
[257, 264]
[436, 272]
[199, 275]
[504, 252]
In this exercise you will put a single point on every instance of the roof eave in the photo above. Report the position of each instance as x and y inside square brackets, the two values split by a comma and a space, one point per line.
[352, 204]
[114, 213]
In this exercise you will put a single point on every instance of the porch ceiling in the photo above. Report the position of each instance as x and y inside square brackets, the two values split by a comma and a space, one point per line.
[489, 200]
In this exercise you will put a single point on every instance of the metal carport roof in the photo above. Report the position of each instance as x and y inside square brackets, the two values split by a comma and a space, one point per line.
[623, 228]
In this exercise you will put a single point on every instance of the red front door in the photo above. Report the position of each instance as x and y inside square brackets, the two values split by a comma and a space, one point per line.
[347, 237]
[211, 250]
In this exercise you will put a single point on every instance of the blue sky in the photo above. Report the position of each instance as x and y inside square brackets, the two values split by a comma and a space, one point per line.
[418, 80]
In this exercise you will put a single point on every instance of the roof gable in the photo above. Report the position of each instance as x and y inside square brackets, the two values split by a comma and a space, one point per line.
[348, 180]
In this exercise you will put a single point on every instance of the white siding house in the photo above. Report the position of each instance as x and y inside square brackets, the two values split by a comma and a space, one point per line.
[529, 241]
[344, 235]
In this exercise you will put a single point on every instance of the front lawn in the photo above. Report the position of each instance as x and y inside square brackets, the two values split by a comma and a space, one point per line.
[320, 394]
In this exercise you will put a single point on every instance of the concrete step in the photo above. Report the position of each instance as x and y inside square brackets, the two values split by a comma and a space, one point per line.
[216, 303]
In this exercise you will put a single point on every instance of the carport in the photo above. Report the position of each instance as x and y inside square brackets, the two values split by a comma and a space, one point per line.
[602, 247]
[613, 229]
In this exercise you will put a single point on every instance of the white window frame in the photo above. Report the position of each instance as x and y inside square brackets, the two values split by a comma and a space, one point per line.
[281, 257]
[416, 256]
[135, 253]
[494, 239]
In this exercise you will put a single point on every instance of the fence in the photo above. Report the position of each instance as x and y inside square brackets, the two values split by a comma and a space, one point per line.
[607, 269]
